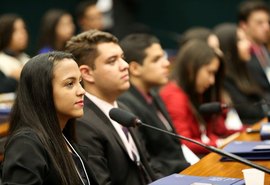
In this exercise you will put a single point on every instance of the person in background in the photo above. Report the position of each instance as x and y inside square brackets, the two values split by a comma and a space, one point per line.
[149, 69]
[200, 33]
[244, 93]
[56, 29]
[115, 151]
[89, 16]
[13, 42]
[41, 145]
[197, 79]
[253, 18]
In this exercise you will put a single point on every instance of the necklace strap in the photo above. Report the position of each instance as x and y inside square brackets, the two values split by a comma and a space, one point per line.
[80, 159]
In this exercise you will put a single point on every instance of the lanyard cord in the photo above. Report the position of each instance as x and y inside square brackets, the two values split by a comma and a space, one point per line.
[74, 151]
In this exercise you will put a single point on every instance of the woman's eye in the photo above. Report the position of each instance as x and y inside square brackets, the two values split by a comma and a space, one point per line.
[70, 84]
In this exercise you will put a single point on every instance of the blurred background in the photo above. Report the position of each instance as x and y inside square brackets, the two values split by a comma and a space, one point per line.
[166, 19]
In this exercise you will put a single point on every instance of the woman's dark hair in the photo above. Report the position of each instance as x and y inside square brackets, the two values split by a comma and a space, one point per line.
[47, 33]
[34, 109]
[199, 33]
[6, 29]
[191, 57]
[235, 68]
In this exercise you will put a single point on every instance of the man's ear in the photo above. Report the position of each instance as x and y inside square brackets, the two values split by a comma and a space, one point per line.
[135, 68]
[87, 73]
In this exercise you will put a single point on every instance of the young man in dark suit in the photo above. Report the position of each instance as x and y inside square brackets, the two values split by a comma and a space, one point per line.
[115, 154]
[253, 18]
[149, 68]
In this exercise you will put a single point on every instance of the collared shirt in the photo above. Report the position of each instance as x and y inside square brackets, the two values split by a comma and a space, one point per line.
[105, 107]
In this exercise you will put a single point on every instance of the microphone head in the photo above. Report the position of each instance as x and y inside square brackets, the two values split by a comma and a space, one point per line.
[123, 117]
[210, 108]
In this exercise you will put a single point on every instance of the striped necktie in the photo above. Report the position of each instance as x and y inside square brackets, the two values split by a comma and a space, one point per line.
[127, 134]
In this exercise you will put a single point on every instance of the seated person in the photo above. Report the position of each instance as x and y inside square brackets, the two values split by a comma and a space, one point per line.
[114, 151]
[149, 69]
[13, 42]
[243, 92]
[56, 29]
[41, 147]
[196, 79]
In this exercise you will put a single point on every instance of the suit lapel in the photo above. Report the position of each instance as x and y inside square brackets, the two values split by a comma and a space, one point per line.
[158, 102]
[105, 120]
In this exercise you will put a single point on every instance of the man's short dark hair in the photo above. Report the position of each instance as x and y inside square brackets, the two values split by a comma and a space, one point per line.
[248, 7]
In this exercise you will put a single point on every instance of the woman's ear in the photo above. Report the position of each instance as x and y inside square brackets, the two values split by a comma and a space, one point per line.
[87, 73]
[135, 68]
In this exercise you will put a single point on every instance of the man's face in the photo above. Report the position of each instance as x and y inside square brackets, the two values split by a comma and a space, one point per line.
[93, 19]
[155, 68]
[257, 26]
[110, 75]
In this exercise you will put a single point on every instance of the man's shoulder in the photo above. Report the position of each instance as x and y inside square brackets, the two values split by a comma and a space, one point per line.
[131, 101]
[130, 95]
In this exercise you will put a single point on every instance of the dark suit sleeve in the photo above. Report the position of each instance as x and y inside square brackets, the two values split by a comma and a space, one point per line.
[24, 162]
[8, 84]
[249, 112]
[96, 154]
[257, 73]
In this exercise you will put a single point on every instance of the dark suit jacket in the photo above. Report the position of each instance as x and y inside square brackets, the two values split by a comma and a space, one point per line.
[257, 73]
[247, 106]
[165, 150]
[107, 153]
[27, 162]
[7, 84]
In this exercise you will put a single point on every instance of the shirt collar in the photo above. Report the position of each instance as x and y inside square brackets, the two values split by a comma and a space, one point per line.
[147, 96]
[103, 105]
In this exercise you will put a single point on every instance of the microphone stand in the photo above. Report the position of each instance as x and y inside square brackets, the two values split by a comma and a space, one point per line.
[210, 148]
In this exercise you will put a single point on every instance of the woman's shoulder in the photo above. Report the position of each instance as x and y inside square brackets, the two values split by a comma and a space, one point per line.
[23, 57]
[24, 135]
[171, 89]
[5, 56]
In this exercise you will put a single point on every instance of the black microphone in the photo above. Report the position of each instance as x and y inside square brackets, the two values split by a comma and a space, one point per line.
[217, 107]
[128, 119]
[212, 108]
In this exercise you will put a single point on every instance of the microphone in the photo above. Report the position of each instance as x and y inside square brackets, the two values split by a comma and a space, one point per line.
[212, 108]
[128, 119]
[217, 107]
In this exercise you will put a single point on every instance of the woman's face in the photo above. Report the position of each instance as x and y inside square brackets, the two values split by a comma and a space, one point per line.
[243, 45]
[19, 39]
[65, 28]
[67, 90]
[206, 75]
